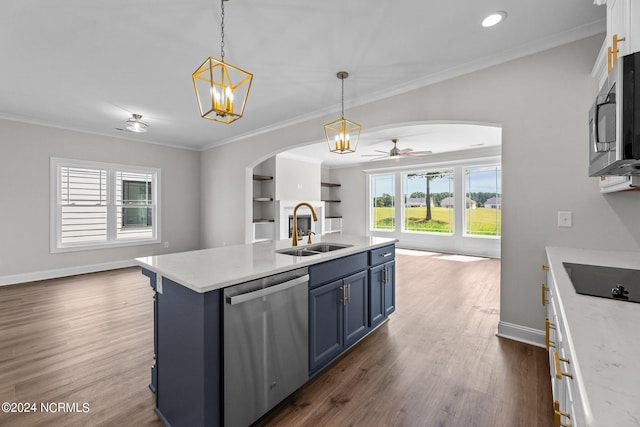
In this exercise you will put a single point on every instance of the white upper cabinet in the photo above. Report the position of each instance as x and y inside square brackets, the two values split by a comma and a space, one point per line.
[623, 21]
[623, 25]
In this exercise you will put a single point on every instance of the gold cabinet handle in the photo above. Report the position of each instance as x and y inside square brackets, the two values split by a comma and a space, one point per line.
[556, 361]
[385, 278]
[547, 338]
[614, 49]
[349, 293]
[544, 295]
[343, 298]
[609, 59]
[558, 414]
[545, 267]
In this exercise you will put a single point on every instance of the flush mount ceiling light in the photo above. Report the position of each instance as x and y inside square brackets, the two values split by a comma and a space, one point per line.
[221, 89]
[134, 124]
[494, 19]
[342, 134]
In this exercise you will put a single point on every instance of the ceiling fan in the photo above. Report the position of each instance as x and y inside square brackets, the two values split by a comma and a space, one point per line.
[396, 153]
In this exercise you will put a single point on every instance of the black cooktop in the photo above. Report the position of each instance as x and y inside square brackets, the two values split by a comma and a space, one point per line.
[607, 282]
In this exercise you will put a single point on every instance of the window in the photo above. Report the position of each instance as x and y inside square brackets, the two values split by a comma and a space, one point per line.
[100, 204]
[483, 189]
[429, 202]
[383, 202]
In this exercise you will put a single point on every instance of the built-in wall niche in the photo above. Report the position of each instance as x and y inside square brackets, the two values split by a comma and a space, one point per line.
[263, 209]
[331, 197]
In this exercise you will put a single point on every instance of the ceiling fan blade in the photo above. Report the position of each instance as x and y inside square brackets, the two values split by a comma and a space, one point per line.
[420, 152]
[374, 155]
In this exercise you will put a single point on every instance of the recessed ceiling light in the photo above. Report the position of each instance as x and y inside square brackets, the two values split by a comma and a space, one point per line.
[494, 19]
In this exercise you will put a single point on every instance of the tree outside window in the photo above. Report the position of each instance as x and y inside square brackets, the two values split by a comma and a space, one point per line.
[428, 201]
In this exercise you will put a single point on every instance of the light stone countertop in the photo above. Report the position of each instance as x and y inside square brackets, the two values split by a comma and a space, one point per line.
[210, 269]
[603, 337]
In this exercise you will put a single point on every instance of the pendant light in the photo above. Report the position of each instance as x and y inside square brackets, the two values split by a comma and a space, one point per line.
[342, 134]
[221, 88]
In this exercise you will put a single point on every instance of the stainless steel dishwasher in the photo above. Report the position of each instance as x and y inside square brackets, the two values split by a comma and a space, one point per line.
[266, 346]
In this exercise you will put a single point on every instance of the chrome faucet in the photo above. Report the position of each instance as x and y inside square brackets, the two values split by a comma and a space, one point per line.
[294, 232]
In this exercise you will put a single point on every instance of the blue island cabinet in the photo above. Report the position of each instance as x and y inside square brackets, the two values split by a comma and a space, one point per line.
[187, 373]
[338, 314]
[348, 298]
[382, 284]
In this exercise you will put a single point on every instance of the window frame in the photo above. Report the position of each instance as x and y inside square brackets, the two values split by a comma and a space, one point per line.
[425, 171]
[464, 200]
[370, 207]
[112, 241]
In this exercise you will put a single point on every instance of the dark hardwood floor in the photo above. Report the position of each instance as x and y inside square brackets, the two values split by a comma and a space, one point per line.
[437, 362]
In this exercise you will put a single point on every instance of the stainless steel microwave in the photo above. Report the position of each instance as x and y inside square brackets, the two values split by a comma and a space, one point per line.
[614, 121]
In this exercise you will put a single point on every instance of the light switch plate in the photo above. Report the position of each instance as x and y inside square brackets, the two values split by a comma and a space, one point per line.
[564, 219]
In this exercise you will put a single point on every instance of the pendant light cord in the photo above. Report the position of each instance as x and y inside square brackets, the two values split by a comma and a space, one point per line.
[222, 31]
[342, 80]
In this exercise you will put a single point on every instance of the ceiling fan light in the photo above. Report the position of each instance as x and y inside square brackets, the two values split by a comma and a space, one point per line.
[135, 124]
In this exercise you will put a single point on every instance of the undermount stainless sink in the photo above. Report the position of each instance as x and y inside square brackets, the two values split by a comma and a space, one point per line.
[314, 249]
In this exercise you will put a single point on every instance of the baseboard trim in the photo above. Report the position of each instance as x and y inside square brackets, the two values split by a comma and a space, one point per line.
[521, 333]
[15, 279]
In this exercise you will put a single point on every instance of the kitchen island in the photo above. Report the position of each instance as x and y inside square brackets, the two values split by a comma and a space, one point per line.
[349, 290]
[593, 344]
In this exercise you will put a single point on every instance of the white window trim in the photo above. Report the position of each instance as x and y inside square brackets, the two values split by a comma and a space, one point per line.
[370, 228]
[464, 195]
[55, 246]
[458, 166]
[402, 175]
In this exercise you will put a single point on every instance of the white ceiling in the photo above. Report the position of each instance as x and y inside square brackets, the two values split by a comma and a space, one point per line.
[87, 65]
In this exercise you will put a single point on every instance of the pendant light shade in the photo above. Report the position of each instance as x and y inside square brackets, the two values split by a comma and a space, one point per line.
[342, 134]
[221, 88]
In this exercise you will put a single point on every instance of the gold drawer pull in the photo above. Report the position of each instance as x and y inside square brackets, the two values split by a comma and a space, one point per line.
[558, 414]
[545, 267]
[559, 371]
[547, 338]
[544, 295]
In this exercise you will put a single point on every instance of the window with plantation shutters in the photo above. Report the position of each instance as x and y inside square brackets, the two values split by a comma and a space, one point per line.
[101, 204]
[83, 205]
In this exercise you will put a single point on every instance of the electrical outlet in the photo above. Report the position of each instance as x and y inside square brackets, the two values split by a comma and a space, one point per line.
[564, 219]
[166, 244]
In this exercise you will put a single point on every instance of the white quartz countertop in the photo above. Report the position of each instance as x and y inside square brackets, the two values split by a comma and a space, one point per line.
[209, 269]
[603, 337]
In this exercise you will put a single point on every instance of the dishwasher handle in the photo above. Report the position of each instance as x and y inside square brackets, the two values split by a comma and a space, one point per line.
[249, 296]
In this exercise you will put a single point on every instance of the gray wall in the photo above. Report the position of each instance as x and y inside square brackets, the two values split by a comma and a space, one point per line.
[25, 151]
[296, 179]
[541, 102]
